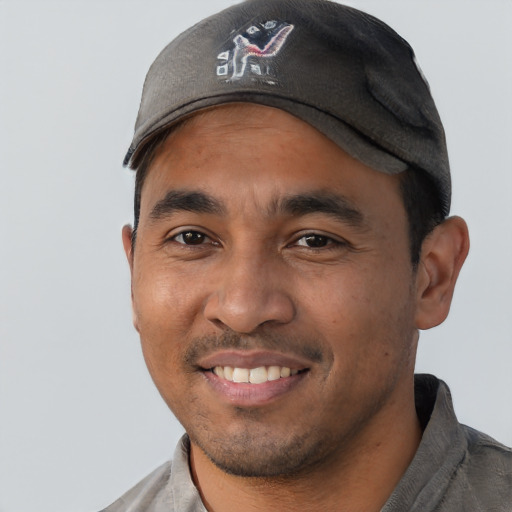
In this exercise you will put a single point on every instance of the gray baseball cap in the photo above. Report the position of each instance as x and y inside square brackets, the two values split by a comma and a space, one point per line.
[339, 69]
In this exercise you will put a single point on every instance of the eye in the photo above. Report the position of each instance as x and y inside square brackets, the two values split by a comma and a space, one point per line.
[191, 238]
[315, 241]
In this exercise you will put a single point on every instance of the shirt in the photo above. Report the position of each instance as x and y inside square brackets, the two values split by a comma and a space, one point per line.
[456, 468]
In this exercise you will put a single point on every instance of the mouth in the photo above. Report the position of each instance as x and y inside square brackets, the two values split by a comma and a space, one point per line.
[258, 375]
[250, 379]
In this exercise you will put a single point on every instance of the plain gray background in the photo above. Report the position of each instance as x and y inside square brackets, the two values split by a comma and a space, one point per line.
[80, 420]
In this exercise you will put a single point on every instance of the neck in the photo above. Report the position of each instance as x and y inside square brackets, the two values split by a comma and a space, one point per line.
[360, 478]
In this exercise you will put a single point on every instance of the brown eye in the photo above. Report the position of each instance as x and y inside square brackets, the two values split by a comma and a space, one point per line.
[314, 241]
[191, 238]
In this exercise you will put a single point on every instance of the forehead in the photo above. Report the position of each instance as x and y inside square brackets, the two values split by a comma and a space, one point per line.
[255, 146]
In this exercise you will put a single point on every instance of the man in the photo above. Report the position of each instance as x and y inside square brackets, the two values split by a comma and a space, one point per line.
[290, 239]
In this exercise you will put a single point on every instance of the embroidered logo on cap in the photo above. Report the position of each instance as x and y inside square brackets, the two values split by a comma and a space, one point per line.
[253, 52]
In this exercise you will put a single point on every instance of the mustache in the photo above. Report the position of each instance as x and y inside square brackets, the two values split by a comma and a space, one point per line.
[230, 340]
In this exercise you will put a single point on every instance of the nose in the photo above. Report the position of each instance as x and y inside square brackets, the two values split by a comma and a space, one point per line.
[249, 291]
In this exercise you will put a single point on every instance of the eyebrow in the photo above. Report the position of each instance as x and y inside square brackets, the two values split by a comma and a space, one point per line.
[190, 201]
[337, 206]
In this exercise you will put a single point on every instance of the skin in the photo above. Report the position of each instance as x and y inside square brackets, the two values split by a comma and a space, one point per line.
[241, 276]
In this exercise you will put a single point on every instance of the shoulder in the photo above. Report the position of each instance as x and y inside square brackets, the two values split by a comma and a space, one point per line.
[456, 467]
[482, 480]
[488, 465]
[147, 494]
[168, 488]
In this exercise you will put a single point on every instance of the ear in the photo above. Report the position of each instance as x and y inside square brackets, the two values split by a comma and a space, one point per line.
[442, 256]
[127, 244]
[128, 250]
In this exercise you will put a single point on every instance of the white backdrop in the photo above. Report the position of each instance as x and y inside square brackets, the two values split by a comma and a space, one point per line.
[80, 421]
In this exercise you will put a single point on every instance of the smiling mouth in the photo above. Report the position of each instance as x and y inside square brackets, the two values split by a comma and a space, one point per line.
[258, 375]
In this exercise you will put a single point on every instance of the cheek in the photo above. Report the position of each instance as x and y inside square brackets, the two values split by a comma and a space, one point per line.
[163, 329]
[164, 297]
[367, 314]
[164, 309]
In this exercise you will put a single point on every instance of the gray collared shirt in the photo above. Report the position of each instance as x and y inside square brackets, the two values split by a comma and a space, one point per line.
[456, 468]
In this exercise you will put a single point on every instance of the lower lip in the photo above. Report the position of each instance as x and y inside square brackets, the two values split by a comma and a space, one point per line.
[243, 394]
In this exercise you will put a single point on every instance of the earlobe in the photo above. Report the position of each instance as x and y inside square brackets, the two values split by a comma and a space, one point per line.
[442, 256]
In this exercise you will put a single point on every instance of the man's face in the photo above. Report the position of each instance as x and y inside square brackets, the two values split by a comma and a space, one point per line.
[263, 246]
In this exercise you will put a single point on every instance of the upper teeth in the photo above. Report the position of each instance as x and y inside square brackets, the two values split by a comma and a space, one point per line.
[253, 375]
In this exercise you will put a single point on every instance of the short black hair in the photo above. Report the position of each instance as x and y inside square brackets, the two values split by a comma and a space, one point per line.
[420, 194]
[423, 206]
[140, 163]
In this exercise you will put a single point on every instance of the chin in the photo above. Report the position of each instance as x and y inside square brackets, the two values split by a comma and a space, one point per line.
[246, 455]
